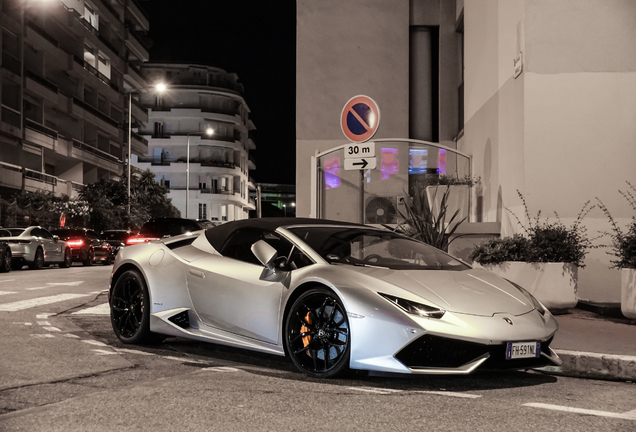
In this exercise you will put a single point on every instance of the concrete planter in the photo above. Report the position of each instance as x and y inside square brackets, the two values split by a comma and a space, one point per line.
[553, 284]
[457, 200]
[628, 293]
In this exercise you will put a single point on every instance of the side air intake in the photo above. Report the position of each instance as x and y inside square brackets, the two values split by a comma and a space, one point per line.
[181, 319]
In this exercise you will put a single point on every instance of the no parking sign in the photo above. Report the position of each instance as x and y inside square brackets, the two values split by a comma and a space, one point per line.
[360, 118]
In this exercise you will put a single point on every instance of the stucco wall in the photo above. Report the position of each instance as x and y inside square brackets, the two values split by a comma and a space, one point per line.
[345, 49]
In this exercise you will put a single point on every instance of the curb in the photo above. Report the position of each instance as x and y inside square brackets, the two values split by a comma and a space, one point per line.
[581, 364]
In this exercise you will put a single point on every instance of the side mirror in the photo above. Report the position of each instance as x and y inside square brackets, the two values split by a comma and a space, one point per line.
[55, 238]
[264, 253]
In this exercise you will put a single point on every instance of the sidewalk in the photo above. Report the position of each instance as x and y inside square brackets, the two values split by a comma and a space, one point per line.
[595, 345]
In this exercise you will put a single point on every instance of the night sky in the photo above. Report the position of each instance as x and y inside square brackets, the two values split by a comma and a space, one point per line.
[255, 39]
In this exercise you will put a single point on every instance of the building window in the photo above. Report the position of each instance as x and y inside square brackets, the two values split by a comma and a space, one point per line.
[90, 15]
[103, 66]
[203, 211]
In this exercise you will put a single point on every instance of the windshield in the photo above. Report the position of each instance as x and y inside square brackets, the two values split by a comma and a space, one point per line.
[11, 232]
[370, 247]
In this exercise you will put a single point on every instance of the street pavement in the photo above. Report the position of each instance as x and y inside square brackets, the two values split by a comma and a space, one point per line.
[591, 345]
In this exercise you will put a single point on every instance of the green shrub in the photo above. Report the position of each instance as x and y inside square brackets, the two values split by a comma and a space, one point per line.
[623, 245]
[497, 250]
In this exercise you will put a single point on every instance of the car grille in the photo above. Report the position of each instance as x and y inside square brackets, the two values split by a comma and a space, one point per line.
[440, 352]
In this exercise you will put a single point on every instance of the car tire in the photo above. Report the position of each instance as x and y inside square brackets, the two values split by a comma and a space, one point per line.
[90, 258]
[68, 259]
[5, 266]
[38, 260]
[130, 310]
[317, 334]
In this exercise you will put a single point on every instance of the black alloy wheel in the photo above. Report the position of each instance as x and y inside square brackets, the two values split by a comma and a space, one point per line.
[90, 258]
[38, 261]
[5, 266]
[317, 334]
[68, 259]
[130, 309]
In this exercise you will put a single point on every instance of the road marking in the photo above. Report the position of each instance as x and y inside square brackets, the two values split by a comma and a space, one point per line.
[7, 280]
[94, 342]
[22, 323]
[37, 288]
[71, 336]
[221, 369]
[76, 283]
[451, 394]
[44, 316]
[26, 304]
[375, 390]
[102, 309]
[103, 352]
[129, 351]
[7, 292]
[630, 415]
[52, 329]
[44, 323]
[46, 335]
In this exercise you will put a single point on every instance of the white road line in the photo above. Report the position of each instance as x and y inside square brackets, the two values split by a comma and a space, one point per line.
[104, 352]
[129, 351]
[221, 369]
[7, 292]
[76, 283]
[22, 323]
[44, 323]
[37, 288]
[70, 336]
[630, 415]
[375, 390]
[94, 342]
[26, 304]
[7, 280]
[102, 309]
[46, 335]
[451, 394]
[44, 316]
[52, 329]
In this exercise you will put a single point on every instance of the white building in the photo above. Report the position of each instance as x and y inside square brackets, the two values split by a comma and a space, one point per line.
[198, 99]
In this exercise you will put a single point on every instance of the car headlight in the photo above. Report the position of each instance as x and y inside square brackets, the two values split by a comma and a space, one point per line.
[414, 307]
[536, 303]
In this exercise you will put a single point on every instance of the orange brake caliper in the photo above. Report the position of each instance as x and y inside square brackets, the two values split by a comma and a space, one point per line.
[304, 329]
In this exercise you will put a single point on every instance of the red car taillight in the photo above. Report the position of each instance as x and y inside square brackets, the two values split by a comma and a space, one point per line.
[137, 240]
[75, 243]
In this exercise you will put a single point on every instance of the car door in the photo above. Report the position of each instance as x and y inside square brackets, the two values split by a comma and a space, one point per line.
[230, 293]
[51, 248]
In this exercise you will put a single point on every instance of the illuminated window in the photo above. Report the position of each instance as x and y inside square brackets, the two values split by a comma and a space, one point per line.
[390, 163]
[332, 168]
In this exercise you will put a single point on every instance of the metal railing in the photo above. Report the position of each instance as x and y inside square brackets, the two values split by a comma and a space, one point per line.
[30, 124]
[95, 112]
[95, 151]
[39, 30]
[11, 117]
[41, 80]
[40, 176]
[110, 9]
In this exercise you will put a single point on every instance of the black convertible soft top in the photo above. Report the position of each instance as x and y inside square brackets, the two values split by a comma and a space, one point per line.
[217, 236]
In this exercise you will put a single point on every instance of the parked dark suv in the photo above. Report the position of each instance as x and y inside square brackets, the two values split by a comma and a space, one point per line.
[117, 239]
[86, 246]
[158, 228]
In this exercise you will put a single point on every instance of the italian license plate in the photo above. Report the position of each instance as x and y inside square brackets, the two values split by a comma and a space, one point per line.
[517, 350]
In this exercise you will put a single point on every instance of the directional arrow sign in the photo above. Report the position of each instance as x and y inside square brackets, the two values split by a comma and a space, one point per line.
[359, 164]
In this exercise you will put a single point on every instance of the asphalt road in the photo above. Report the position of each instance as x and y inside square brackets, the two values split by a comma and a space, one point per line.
[61, 368]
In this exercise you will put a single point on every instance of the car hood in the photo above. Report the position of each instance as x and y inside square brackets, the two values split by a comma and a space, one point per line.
[474, 292]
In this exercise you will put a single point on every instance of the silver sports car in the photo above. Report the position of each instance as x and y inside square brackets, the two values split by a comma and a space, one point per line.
[331, 296]
[36, 247]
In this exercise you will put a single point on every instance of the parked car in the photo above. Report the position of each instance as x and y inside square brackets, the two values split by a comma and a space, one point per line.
[86, 246]
[5, 257]
[117, 239]
[158, 228]
[330, 295]
[36, 247]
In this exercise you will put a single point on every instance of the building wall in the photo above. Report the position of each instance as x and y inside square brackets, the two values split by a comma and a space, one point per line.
[562, 132]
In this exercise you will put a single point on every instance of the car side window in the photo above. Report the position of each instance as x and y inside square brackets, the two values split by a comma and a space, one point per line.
[37, 232]
[91, 235]
[239, 245]
[45, 234]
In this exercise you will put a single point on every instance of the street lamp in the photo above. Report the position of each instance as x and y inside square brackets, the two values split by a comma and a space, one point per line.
[160, 88]
[208, 132]
[285, 208]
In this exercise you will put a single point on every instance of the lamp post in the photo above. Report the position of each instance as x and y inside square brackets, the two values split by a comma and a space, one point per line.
[285, 208]
[208, 132]
[160, 88]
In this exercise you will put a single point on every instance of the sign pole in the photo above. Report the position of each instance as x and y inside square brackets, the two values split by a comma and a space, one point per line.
[362, 196]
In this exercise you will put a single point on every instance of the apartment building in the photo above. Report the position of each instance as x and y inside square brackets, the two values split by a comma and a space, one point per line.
[199, 143]
[68, 70]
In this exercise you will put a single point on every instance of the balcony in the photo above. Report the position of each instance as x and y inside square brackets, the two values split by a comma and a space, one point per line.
[136, 45]
[137, 15]
[99, 37]
[41, 86]
[251, 163]
[39, 134]
[87, 112]
[139, 112]
[10, 176]
[95, 156]
[139, 144]
[133, 76]
[39, 36]
[79, 68]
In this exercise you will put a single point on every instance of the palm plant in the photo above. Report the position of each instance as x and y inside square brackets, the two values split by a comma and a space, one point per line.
[428, 225]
